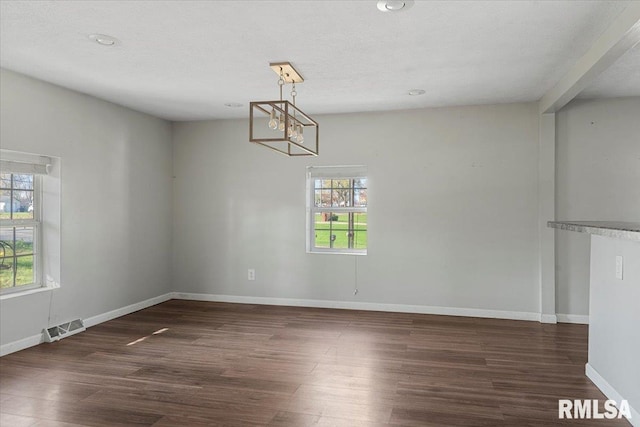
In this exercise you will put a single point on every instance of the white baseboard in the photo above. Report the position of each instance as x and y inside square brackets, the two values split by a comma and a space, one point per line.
[582, 319]
[610, 392]
[31, 341]
[94, 320]
[348, 305]
[355, 305]
[548, 318]
[14, 346]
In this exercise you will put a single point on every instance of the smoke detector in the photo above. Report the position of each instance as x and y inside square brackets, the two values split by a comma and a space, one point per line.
[394, 5]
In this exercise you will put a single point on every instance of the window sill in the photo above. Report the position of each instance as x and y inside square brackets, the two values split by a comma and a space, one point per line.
[27, 292]
[337, 253]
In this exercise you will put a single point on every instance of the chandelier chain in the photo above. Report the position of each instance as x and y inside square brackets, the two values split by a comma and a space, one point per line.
[281, 82]
[294, 93]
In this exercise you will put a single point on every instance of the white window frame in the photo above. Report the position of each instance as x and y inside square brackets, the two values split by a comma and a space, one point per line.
[325, 173]
[12, 162]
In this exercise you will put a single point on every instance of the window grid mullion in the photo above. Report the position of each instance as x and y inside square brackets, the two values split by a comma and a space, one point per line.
[11, 201]
[336, 209]
[15, 260]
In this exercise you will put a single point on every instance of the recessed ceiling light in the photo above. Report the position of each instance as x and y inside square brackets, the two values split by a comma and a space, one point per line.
[394, 5]
[103, 39]
[416, 92]
[233, 105]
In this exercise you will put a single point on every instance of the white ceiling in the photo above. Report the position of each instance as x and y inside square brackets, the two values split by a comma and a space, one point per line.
[621, 79]
[183, 60]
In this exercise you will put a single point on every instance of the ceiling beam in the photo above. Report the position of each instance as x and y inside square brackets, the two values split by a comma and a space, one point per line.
[622, 35]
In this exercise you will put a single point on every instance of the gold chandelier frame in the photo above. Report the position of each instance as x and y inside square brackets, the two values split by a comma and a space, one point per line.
[295, 132]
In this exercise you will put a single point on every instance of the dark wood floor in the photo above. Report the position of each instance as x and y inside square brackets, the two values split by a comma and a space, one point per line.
[185, 363]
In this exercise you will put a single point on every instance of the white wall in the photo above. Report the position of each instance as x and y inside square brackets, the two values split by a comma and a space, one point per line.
[597, 178]
[116, 201]
[614, 342]
[452, 213]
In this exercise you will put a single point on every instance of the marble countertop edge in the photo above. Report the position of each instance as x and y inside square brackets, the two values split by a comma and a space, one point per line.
[615, 229]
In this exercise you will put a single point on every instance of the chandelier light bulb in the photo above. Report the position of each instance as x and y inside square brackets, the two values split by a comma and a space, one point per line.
[290, 130]
[273, 122]
[300, 136]
[281, 124]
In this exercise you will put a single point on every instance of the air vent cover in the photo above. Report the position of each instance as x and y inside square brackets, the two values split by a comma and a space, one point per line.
[63, 330]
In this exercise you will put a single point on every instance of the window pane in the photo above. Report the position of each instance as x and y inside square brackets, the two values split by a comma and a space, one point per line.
[360, 230]
[6, 249]
[325, 198]
[360, 239]
[322, 198]
[360, 220]
[6, 235]
[336, 231]
[331, 230]
[24, 270]
[340, 238]
[5, 204]
[23, 182]
[24, 240]
[22, 263]
[5, 180]
[23, 206]
[324, 225]
[360, 198]
[322, 239]
[341, 198]
[6, 257]
[323, 220]
[334, 199]
[6, 273]
[341, 183]
[360, 183]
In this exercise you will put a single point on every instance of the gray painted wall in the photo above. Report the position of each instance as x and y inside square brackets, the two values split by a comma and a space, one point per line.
[614, 341]
[116, 201]
[452, 210]
[597, 178]
[453, 204]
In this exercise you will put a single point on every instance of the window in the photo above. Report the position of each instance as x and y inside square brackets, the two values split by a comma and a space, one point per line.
[337, 210]
[19, 230]
[20, 223]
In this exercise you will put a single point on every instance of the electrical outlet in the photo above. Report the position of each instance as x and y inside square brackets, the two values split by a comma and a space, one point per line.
[251, 274]
[619, 261]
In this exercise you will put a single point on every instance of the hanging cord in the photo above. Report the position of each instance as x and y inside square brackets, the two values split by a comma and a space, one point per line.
[50, 304]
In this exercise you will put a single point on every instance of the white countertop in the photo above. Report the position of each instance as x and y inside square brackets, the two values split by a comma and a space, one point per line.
[619, 230]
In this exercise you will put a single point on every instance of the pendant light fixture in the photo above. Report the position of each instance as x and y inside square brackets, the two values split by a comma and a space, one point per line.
[279, 124]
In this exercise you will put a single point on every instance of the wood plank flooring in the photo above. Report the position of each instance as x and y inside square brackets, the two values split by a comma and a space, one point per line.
[186, 363]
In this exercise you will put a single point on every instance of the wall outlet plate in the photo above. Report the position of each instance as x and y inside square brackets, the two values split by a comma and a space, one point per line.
[619, 267]
[251, 274]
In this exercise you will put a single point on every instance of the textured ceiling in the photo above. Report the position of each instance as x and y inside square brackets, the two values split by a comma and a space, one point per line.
[620, 79]
[183, 60]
